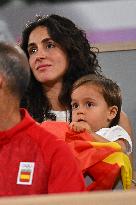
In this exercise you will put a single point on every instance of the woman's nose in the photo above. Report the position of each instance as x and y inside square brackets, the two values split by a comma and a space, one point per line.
[41, 54]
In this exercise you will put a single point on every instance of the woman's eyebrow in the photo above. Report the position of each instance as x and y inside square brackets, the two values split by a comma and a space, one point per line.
[45, 40]
[30, 44]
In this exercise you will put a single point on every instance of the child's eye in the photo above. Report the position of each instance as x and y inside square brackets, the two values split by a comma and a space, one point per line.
[74, 106]
[89, 104]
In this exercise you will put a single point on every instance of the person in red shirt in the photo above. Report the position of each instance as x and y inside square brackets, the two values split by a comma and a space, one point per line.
[33, 161]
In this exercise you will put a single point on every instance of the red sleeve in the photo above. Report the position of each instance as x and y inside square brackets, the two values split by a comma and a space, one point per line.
[65, 175]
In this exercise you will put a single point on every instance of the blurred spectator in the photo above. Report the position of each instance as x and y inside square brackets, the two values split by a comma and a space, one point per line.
[5, 34]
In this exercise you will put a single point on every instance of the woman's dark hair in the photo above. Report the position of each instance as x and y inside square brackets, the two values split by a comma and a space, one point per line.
[82, 61]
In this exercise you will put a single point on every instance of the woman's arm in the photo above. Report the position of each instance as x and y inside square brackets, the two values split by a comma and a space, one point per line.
[125, 123]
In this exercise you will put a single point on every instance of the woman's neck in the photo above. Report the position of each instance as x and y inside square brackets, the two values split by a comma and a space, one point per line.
[52, 93]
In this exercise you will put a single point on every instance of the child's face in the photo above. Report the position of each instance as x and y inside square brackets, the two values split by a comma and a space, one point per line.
[88, 105]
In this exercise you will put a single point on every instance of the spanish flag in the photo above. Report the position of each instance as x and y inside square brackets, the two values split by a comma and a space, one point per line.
[25, 176]
[103, 162]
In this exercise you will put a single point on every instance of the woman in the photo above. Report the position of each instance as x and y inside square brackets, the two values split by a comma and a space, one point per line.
[59, 54]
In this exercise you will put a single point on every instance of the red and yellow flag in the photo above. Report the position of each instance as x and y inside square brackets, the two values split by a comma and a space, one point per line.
[104, 162]
[25, 176]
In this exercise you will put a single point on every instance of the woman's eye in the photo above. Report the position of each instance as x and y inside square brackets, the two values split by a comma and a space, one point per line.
[74, 106]
[31, 51]
[50, 45]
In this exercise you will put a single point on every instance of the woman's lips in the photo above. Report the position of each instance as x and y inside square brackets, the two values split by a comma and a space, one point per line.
[43, 67]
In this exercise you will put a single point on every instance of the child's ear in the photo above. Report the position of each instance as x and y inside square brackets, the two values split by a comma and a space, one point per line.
[112, 112]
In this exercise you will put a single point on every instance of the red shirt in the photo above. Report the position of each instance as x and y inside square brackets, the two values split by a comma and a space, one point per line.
[33, 161]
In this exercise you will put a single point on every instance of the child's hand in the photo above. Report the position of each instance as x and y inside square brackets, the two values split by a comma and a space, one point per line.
[80, 126]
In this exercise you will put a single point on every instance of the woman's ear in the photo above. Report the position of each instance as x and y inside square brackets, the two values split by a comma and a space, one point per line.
[112, 112]
[0, 80]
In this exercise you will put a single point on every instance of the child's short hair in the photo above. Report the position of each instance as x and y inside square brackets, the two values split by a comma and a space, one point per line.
[108, 88]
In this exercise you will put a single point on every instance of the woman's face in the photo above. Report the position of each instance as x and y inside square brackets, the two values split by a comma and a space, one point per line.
[48, 61]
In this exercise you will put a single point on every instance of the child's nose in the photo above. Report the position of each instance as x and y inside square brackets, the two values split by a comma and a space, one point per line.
[80, 110]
